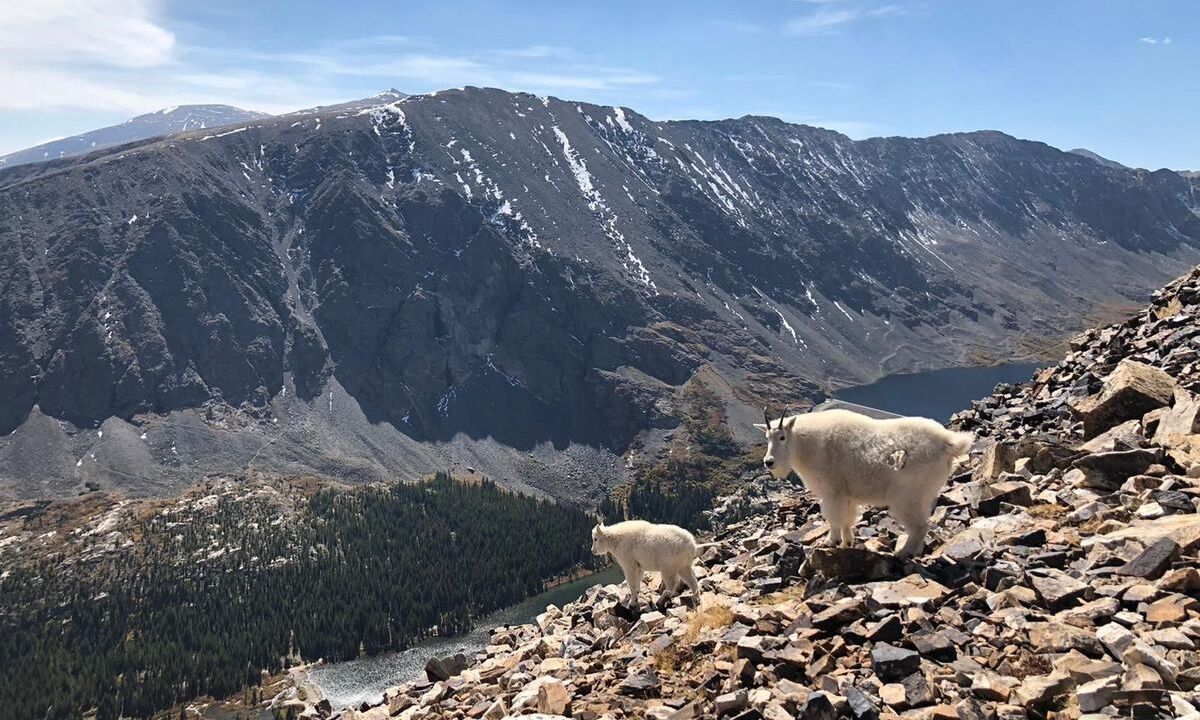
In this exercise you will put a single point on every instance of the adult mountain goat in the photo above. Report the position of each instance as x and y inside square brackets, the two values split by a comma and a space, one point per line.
[638, 546]
[849, 460]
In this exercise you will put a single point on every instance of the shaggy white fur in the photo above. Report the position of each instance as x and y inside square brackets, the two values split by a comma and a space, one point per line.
[849, 460]
[638, 546]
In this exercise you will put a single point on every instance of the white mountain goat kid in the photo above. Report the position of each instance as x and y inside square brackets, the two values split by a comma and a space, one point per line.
[849, 460]
[639, 546]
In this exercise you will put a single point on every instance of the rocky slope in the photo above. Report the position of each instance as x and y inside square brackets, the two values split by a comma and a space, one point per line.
[1060, 581]
[371, 293]
[167, 121]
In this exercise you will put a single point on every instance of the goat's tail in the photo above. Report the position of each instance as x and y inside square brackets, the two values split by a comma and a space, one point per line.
[959, 443]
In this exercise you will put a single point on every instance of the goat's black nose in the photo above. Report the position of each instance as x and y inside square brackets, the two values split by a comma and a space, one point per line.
[769, 463]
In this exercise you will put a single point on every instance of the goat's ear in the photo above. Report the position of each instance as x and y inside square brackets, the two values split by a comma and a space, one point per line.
[760, 426]
[791, 422]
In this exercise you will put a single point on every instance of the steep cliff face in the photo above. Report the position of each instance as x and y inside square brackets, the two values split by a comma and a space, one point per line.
[362, 291]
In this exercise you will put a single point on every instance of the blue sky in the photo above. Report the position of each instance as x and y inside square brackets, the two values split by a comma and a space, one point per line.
[1120, 78]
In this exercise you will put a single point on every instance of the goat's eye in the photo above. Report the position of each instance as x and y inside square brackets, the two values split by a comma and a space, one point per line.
[781, 438]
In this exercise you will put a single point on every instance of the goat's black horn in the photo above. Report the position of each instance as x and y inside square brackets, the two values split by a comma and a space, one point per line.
[784, 415]
[766, 416]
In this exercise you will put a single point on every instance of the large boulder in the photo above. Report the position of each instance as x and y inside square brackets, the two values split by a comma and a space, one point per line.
[1129, 392]
[998, 458]
[445, 668]
[546, 694]
[1109, 470]
[1128, 435]
[1181, 420]
[1183, 529]
[1039, 692]
[1178, 427]
[1153, 561]
[854, 564]
[892, 663]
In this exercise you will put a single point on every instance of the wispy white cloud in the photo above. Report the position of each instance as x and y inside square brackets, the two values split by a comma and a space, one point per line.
[1149, 40]
[120, 56]
[830, 18]
[537, 51]
[744, 27]
[114, 56]
[108, 33]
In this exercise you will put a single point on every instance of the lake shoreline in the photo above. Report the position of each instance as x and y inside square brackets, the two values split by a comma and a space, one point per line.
[577, 573]
[837, 385]
[350, 682]
[936, 393]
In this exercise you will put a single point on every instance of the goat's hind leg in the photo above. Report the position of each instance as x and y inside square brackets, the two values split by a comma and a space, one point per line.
[670, 583]
[913, 515]
[689, 577]
[914, 541]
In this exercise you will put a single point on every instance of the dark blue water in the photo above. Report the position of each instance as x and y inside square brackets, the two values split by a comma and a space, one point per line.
[349, 683]
[936, 394]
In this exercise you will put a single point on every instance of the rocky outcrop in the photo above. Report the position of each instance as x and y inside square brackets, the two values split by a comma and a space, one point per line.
[305, 293]
[1129, 392]
[1125, 388]
[1044, 593]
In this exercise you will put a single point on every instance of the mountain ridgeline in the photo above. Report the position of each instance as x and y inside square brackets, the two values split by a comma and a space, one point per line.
[167, 121]
[481, 274]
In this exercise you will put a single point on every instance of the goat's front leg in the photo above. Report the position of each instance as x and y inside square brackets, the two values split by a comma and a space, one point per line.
[851, 520]
[839, 513]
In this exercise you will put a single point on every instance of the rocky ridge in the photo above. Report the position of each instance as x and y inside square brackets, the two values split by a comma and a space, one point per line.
[1060, 580]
